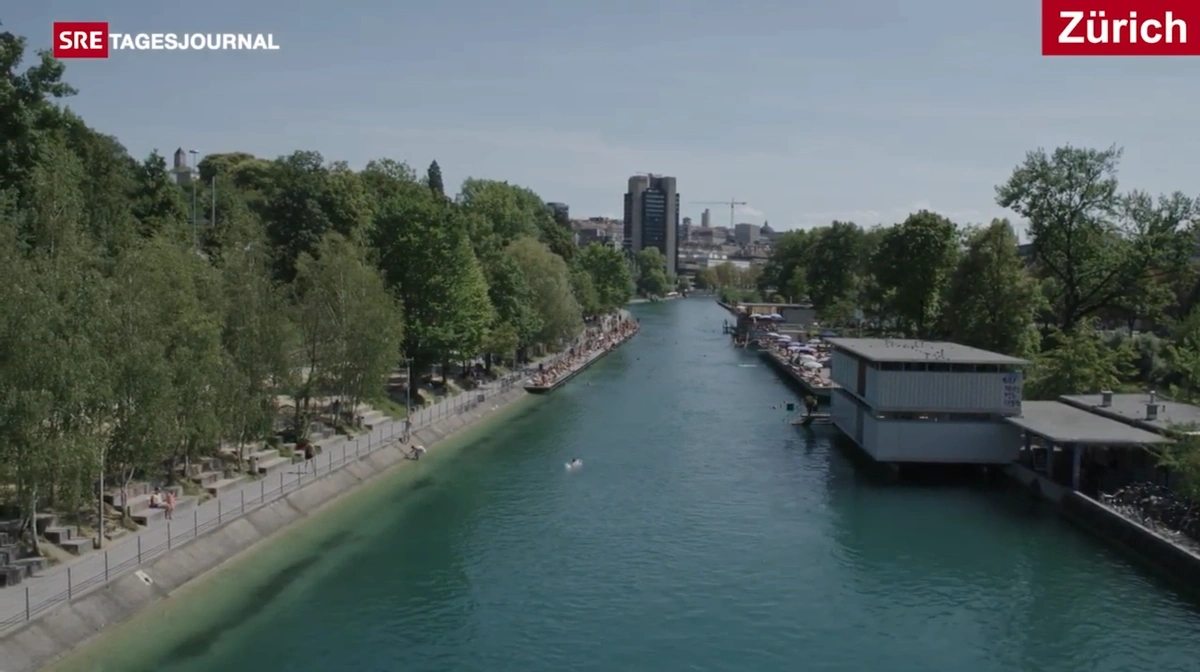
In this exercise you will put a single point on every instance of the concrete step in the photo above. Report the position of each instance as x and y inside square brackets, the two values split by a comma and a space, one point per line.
[9, 555]
[224, 485]
[31, 565]
[146, 516]
[207, 478]
[273, 464]
[261, 455]
[57, 535]
[11, 575]
[372, 419]
[43, 521]
[76, 546]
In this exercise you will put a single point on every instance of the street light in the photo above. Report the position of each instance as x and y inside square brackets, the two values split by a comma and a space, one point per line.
[407, 397]
[195, 239]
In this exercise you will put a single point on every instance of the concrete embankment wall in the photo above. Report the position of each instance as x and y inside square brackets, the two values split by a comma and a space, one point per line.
[1157, 552]
[54, 635]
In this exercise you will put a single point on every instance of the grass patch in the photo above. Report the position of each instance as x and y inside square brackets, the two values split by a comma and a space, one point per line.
[389, 407]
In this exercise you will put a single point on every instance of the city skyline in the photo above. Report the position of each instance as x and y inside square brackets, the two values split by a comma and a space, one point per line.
[931, 109]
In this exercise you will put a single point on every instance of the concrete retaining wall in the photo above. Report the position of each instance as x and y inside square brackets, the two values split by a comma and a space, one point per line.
[70, 625]
[1161, 554]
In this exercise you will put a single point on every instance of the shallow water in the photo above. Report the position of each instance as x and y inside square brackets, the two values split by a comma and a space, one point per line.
[705, 533]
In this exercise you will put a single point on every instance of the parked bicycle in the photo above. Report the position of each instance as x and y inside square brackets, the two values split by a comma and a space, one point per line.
[1156, 507]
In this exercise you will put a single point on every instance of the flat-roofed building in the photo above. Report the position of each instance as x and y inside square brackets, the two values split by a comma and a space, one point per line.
[911, 401]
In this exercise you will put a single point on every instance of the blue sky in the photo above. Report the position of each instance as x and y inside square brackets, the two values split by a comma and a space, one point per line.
[809, 111]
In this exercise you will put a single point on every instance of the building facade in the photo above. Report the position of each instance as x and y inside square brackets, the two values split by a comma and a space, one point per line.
[652, 217]
[906, 401]
[745, 234]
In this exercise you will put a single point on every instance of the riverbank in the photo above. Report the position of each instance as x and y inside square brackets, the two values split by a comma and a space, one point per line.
[146, 569]
[1164, 557]
[627, 330]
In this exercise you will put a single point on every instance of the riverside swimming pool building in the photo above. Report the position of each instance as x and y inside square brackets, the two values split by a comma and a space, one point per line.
[911, 401]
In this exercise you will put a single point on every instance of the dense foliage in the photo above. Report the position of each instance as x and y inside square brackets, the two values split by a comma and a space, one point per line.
[136, 331]
[1105, 296]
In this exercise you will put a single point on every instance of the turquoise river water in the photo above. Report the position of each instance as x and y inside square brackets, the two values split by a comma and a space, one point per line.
[703, 533]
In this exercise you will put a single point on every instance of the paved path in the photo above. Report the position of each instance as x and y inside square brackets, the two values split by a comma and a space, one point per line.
[71, 579]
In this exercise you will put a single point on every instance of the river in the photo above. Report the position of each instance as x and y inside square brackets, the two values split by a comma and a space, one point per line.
[703, 533]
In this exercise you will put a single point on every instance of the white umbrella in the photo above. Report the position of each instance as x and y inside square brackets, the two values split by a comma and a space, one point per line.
[808, 358]
[811, 364]
[795, 348]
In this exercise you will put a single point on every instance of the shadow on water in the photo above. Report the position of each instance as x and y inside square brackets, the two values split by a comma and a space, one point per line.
[253, 603]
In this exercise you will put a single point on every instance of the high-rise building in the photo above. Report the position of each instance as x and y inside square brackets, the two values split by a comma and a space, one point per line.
[745, 234]
[706, 219]
[652, 217]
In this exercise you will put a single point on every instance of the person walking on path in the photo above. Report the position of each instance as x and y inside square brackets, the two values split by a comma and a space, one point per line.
[310, 452]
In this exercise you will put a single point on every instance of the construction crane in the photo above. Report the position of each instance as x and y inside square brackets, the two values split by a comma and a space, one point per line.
[732, 203]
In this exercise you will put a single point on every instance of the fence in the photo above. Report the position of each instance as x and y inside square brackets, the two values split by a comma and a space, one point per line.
[63, 584]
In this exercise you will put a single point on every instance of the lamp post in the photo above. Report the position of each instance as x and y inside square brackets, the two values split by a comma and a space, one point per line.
[195, 239]
[407, 397]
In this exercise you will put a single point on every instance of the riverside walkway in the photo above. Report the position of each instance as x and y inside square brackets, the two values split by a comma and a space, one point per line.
[67, 581]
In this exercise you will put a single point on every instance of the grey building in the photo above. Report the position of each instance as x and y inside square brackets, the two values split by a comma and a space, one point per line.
[652, 217]
[745, 234]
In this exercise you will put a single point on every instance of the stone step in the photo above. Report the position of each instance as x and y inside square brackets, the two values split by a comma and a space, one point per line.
[9, 555]
[262, 455]
[372, 419]
[76, 546]
[43, 521]
[11, 575]
[207, 478]
[31, 565]
[271, 465]
[57, 535]
[146, 516]
[224, 485]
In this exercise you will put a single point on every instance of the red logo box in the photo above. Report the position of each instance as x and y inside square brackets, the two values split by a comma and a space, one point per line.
[1120, 28]
[81, 39]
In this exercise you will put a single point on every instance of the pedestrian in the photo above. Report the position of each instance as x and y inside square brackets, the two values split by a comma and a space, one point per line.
[310, 451]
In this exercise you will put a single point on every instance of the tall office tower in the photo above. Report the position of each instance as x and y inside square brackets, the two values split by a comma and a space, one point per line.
[706, 219]
[652, 217]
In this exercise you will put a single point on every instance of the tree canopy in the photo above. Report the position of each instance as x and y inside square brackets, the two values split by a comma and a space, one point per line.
[144, 322]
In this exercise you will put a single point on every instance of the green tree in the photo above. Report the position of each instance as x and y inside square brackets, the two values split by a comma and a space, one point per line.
[1076, 362]
[915, 289]
[258, 337]
[652, 272]
[308, 200]
[831, 279]
[610, 275]
[158, 203]
[584, 289]
[549, 277]
[353, 325]
[788, 253]
[433, 179]
[991, 302]
[428, 261]
[1094, 247]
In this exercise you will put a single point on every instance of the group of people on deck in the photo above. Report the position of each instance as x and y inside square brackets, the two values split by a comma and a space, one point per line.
[597, 339]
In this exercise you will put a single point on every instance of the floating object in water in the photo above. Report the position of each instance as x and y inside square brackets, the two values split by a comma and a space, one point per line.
[574, 464]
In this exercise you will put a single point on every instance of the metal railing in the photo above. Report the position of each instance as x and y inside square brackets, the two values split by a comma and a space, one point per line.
[58, 585]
